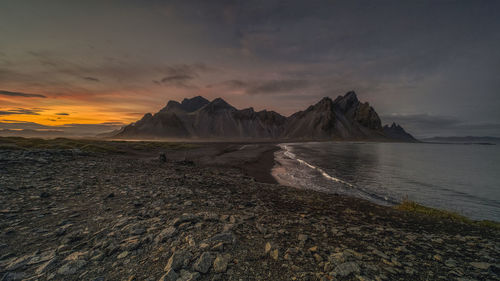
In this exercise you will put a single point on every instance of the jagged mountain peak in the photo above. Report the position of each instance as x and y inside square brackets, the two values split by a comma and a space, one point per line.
[187, 105]
[343, 118]
[219, 104]
[194, 104]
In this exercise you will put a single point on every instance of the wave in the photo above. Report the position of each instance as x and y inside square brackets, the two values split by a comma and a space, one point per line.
[292, 155]
[288, 173]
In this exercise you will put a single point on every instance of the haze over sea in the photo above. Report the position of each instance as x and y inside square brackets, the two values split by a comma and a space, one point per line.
[460, 178]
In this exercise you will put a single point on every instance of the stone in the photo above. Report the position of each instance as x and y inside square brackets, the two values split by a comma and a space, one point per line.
[220, 263]
[450, 263]
[130, 244]
[302, 237]
[274, 254]
[185, 218]
[226, 237]
[163, 157]
[177, 260]
[203, 263]
[347, 268]
[166, 234]
[13, 276]
[45, 266]
[18, 263]
[267, 248]
[188, 276]
[71, 267]
[318, 258]
[122, 255]
[76, 256]
[171, 275]
[480, 265]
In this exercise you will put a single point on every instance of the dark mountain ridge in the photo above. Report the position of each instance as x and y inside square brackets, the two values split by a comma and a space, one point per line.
[345, 118]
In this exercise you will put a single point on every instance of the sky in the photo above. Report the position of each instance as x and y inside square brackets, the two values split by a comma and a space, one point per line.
[87, 67]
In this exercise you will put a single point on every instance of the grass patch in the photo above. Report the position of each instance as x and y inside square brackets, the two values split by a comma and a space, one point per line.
[410, 206]
[91, 146]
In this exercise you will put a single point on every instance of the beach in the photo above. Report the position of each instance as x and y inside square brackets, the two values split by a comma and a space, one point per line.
[212, 211]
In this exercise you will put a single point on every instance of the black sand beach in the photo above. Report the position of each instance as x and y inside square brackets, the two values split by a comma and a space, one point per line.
[212, 212]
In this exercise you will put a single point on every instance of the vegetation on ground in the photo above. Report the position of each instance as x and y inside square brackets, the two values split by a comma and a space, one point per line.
[89, 145]
[411, 206]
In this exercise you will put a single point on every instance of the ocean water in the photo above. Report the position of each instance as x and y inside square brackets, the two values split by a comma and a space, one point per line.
[455, 177]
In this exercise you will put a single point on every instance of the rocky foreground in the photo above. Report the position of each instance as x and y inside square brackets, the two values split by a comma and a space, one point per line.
[65, 215]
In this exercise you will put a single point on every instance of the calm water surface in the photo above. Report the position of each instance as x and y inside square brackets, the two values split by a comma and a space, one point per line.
[460, 178]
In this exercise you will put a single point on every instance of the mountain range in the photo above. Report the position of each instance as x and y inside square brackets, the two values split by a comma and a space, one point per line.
[344, 118]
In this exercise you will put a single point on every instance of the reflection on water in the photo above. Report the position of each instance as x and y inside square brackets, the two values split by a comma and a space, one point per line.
[461, 178]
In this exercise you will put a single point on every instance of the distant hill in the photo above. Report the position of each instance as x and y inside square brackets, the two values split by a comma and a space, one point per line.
[397, 132]
[344, 118]
[467, 139]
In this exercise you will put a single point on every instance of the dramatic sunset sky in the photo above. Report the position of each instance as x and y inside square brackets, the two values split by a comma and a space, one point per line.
[87, 67]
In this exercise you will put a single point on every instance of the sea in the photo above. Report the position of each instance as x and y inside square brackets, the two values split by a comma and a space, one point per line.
[456, 177]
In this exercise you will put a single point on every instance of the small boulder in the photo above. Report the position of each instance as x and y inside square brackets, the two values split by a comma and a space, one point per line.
[203, 263]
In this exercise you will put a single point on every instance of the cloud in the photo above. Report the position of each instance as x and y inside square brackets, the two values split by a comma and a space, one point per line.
[20, 94]
[62, 114]
[92, 79]
[181, 75]
[20, 111]
[266, 86]
[277, 86]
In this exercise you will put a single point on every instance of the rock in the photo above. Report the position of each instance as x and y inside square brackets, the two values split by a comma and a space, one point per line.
[13, 276]
[438, 257]
[45, 266]
[203, 263]
[188, 276]
[178, 260]
[480, 265]
[380, 254]
[450, 263]
[318, 258]
[131, 243]
[171, 275]
[165, 234]
[44, 195]
[274, 254]
[226, 237]
[18, 263]
[347, 268]
[163, 157]
[185, 218]
[76, 256]
[267, 248]
[302, 237]
[71, 267]
[122, 255]
[220, 263]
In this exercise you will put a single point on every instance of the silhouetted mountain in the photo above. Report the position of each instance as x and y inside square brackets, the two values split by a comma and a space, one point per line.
[396, 132]
[344, 118]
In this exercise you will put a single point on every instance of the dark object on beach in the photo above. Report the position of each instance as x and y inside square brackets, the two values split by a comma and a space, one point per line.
[44, 195]
[185, 163]
[111, 195]
[163, 157]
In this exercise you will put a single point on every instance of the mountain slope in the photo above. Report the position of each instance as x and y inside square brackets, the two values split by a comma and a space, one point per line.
[345, 118]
